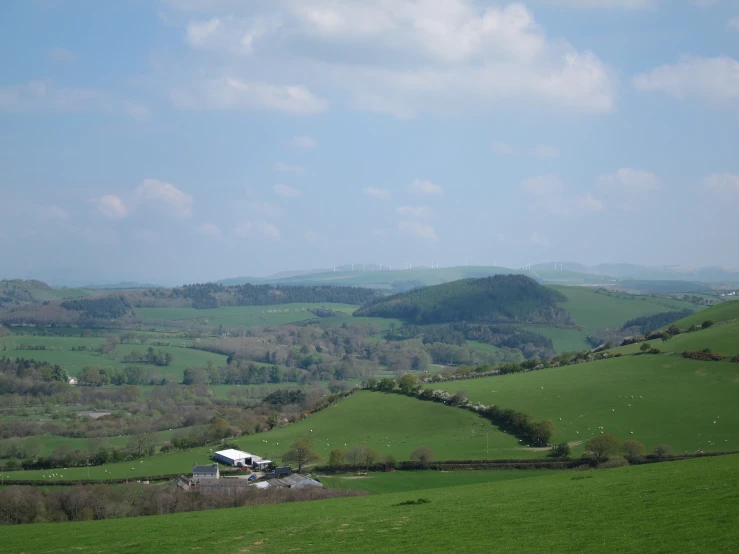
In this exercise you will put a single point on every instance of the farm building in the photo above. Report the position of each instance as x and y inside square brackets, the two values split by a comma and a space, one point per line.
[205, 472]
[294, 481]
[238, 458]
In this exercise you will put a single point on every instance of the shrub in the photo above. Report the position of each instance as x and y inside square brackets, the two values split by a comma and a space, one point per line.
[654, 351]
[561, 450]
[423, 455]
[706, 324]
[704, 356]
[735, 359]
[614, 461]
[662, 450]
[602, 446]
[633, 449]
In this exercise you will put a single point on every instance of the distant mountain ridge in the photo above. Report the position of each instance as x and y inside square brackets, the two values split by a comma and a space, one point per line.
[712, 274]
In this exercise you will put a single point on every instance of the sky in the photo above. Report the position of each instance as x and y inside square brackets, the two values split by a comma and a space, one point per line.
[175, 141]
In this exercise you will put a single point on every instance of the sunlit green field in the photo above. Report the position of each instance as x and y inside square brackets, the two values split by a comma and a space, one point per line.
[654, 399]
[406, 481]
[686, 507]
[241, 316]
[722, 338]
[74, 362]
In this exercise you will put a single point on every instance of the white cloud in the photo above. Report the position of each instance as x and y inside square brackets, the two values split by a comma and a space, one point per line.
[502, 148]
[610, 4]
[266, 209]
[281, 167]
[177, 202]
[110, 206]
[54, 213]
[60, 54]
[631, 181]
[401, 57]
[722, 182]
[418, 229]
[304, 142]
[416, 212]
[38, 96]
[544, 151]
[230, 93]
[539, 239]
[257, 230]
[137, 111]
[286, 191]
[714, 81]
[552, 195]
[380, 194]
[313, 237]
[628, 187]
[209, 230]
[147, 235]
[425, 187]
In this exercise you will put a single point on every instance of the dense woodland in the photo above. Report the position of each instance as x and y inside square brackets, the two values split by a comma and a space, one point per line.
[498, 299]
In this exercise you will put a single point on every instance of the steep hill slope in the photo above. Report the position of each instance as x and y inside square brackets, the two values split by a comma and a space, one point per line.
[498, 299]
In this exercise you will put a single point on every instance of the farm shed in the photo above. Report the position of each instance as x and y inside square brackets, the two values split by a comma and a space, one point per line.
[294, 481]
[206, 472]
[232, 457]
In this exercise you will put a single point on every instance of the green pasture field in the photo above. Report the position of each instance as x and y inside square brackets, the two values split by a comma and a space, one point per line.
[660, 399]
[241, 316]
[598, 310]
[394, 425]
[482, 347]
[564, 340]
[686, 507]
[722, 338]
[50, 442]
[371, 418]
[725, 311]
[406, 481]
[74, 362]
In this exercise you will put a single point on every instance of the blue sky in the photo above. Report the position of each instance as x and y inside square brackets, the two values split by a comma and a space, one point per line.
[189, 140]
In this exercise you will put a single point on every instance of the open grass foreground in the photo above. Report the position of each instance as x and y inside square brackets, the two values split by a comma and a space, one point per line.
[687, 506]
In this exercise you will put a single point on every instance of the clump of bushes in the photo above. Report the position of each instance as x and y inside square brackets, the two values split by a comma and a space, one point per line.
[735, 359]
[704, 355]
[614, 461]
[413, 502]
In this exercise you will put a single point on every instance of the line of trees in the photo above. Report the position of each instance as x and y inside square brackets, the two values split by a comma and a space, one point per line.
[23, 504]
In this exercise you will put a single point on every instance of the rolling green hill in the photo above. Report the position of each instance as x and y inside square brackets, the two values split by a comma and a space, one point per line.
[653, 399]
[502, 298]
[685, 507]
[726, 311]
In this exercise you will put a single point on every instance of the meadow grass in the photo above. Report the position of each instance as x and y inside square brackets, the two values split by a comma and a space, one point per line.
[653, 399]
[370, 418]
[241, 316]
[723, 338]
[686, 507]
[406, 481]
[74, 362]
[725, 311]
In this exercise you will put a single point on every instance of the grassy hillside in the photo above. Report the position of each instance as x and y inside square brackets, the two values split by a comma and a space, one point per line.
[594, 309]
[374, 419]
[660, 399]
[726, 311]
[240, 316]
[406, 481]
[502, 298]
[723, 338]
[683, 507]
[59, 351]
